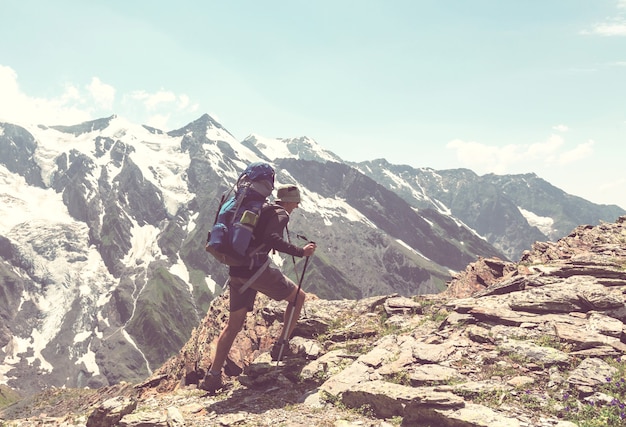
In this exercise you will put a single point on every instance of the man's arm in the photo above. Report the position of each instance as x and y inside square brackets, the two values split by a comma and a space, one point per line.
[274, 231]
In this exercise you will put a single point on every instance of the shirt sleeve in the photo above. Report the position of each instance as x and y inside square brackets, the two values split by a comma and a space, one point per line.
[274, 231]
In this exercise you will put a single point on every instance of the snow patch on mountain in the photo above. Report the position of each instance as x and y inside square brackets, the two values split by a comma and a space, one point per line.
[158, 156]
[132, 342]
[303, 148]
[212, 284]
[164, 164]
[21, 203]
[180, 270]
[71, 270]
[399, 183]
[89, 361]
[272, 148]
[145, 248]
[331, 209]
[544, 224]
[60, 258]
[216, 133]
[409, 248]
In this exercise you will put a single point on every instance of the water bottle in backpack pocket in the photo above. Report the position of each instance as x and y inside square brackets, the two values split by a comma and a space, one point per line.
[242, 232]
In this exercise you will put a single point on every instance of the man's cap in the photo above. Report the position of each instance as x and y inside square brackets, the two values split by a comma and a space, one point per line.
[288, 193]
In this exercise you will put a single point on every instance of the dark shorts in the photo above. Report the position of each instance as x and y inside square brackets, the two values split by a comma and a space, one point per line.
[272, 282]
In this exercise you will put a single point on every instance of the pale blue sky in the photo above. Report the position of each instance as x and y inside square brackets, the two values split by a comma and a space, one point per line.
[502, 86]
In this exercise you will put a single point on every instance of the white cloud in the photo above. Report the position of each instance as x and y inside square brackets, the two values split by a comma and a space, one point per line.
[512, 158]
[20, 108]
[543, 150]
[152, 100]
[161, 104]
[71, 94]
[582, 151]
[560, 128]
[8, 81]
[484, 158]
[184, 104]
[183, 101]
[79, 103]
[617, 28]
[613, 26]
[103, 94]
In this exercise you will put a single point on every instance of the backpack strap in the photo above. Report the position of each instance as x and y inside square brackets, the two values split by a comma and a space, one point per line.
[255, 276]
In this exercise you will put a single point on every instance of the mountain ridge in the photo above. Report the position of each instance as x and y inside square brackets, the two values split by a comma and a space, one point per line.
[104, 224]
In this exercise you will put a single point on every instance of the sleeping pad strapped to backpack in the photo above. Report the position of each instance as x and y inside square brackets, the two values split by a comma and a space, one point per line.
[230, 238]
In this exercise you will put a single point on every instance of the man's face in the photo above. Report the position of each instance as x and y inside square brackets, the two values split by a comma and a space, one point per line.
[290, 206]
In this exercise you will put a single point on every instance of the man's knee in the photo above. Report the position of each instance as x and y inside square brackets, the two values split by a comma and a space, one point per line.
[236, 319]
[301, 297]
[233, 327]
[297, 293]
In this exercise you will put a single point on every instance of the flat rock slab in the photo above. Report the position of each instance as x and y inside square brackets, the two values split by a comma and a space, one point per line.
[388, 399]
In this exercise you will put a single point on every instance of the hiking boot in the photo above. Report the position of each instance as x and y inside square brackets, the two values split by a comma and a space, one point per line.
[231, 369]
[275, 351]
[211, 382]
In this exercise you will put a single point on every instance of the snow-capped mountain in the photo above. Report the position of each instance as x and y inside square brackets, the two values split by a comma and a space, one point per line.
[303, 148]
[510, 211]
[102, 261]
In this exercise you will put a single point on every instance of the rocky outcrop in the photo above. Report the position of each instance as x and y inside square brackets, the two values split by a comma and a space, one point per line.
[534, 344]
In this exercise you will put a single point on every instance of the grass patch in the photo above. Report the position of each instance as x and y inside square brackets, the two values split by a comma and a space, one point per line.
[608, 410]
[7, 396]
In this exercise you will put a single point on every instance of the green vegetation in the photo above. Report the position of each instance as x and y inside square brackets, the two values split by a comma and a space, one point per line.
[606, 407]
[553, 342]
[401, 377]
[165, 317]
[7, 396]
[607, 412]
[432, 311]
[387, 328]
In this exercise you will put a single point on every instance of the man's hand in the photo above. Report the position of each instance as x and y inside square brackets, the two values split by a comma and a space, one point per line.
[309, 249]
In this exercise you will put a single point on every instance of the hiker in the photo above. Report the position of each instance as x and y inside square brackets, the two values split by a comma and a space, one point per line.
[271, 282]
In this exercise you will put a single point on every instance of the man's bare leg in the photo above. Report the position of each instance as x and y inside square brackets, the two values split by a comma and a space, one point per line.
[225, 341]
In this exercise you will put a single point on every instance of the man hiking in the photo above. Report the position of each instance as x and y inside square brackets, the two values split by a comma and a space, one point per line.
[271, 282]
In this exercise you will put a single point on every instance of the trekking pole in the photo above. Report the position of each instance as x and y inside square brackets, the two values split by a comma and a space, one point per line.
[306, 239]
[295, 269]
[285, 336]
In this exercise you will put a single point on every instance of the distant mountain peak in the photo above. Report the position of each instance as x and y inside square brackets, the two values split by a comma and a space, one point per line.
[85, 127]
[302, 147]
[205, 125]
[209, 121]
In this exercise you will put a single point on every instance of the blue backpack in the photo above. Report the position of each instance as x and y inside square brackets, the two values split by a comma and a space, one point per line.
[230, 238]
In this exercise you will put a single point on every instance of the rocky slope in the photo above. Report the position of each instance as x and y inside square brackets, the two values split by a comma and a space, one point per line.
[540, 342]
